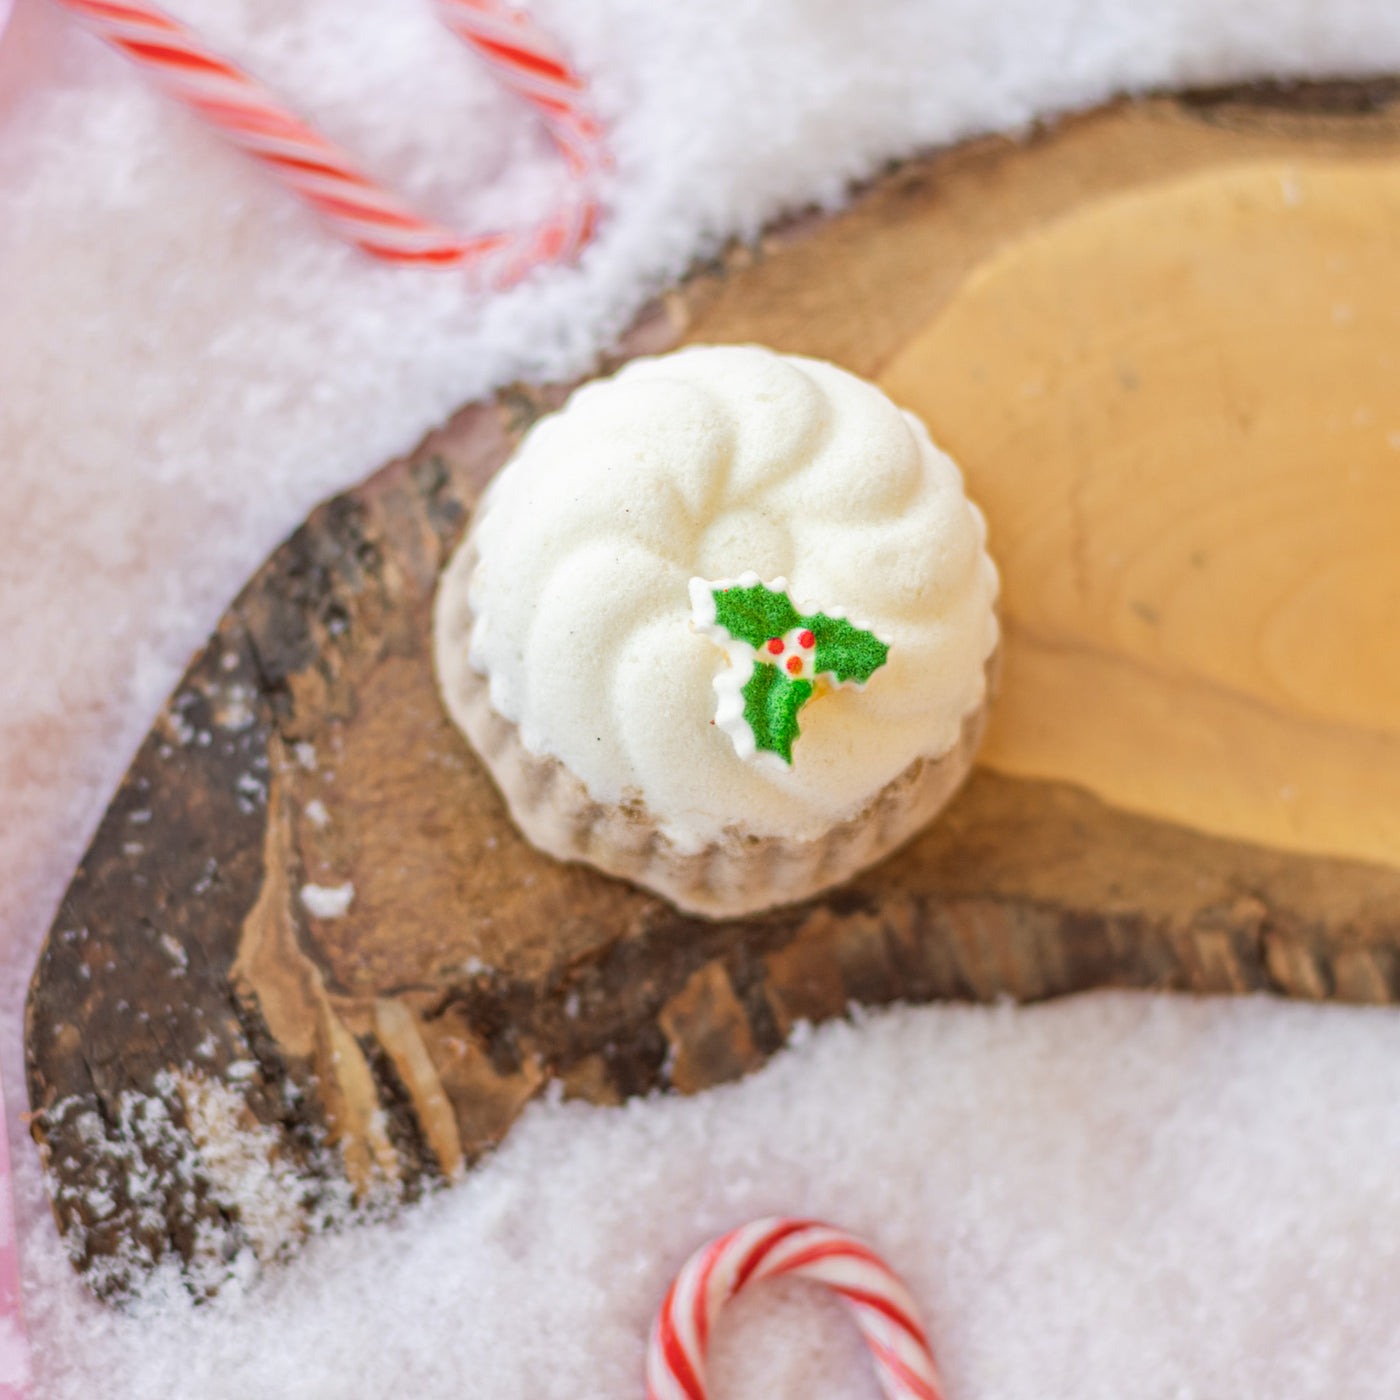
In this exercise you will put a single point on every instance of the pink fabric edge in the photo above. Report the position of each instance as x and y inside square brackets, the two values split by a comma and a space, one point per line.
[15, 1372]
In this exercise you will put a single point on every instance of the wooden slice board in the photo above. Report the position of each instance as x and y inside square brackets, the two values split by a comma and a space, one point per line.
[1163, 339]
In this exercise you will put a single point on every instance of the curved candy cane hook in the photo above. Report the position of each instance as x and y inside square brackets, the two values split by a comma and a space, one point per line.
[878, 1300]
[318, 172]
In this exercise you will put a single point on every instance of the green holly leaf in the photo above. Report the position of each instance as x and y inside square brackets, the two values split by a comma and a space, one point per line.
[777, 656]
[844, 650]
[754, 614]
[772, 703]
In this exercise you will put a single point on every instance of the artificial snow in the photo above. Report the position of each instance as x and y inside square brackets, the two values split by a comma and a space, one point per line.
[1116, 1196]
[1103, 1198]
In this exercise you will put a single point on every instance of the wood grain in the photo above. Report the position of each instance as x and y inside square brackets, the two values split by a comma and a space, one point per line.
[218, 1063]
[1180, 408]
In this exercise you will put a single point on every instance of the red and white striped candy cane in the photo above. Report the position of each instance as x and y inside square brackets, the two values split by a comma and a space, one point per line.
[776, 1247]
[319, 172]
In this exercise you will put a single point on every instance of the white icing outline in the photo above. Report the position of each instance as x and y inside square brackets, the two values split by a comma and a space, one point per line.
[741, 658]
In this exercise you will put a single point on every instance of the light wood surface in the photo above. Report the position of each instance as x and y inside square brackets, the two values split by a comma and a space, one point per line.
[1180, 408]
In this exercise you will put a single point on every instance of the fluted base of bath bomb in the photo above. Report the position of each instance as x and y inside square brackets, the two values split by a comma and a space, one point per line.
[742, 873]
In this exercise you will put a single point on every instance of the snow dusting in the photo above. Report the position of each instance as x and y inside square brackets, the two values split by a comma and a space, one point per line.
[328, 901]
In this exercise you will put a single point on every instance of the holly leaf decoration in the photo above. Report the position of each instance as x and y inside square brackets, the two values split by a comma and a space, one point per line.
[844, 650]
[755, 613]
[772, 702]
[779, 657]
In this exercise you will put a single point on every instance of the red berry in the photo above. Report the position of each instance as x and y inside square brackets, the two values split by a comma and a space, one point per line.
[794, 664]
[775, 645]
[807, 640]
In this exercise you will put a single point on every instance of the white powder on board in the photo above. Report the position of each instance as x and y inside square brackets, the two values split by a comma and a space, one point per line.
[1131, 1197]
[328, 901]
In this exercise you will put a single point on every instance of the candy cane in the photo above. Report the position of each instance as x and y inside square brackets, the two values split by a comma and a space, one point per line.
[317, 171]
[883, 1309]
